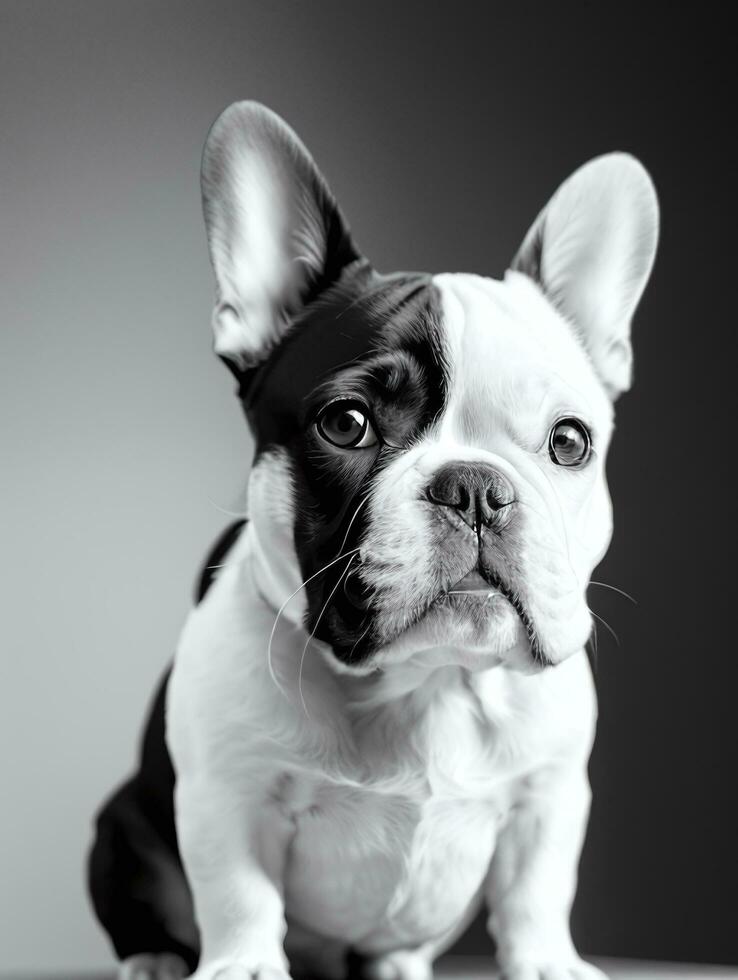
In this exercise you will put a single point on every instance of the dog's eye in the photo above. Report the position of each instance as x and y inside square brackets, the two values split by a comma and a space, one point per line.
[346, 424]
[569, 443]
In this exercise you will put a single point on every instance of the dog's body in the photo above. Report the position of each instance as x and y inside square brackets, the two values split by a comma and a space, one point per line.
[381, 711]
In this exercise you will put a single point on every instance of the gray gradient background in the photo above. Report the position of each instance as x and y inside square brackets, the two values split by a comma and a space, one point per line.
[442, 131]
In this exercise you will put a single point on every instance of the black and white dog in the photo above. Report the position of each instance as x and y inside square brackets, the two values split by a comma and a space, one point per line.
[381, 710]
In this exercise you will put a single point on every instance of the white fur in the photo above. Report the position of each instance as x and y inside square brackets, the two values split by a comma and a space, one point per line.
[374, 815]
[592, 250]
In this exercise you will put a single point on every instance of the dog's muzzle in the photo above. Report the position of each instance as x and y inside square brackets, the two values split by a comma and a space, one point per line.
[480, 495]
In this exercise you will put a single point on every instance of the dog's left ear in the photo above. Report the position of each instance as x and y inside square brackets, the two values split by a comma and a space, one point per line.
[275, 232]
[591, 250]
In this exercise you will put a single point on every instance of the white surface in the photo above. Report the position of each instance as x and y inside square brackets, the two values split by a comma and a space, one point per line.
[460, 968]
[616, 969]
[632, 970]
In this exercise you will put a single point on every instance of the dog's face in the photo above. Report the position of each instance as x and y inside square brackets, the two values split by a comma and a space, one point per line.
[430, 450]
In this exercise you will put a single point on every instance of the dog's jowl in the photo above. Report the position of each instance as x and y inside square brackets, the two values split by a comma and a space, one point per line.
[380, 709]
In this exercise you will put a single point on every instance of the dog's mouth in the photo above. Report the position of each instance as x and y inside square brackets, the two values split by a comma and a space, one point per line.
[478, 588]
[485, 586]
[474, 584]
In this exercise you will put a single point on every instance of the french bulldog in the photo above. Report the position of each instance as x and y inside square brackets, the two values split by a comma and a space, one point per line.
[381, 709]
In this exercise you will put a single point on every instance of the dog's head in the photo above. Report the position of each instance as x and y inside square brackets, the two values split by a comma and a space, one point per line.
[430, 449]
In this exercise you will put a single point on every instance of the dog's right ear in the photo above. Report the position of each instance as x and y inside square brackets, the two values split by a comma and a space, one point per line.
[275, 232]
[591, 251]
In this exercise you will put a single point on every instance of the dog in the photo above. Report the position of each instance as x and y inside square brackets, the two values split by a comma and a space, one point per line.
[380, 710]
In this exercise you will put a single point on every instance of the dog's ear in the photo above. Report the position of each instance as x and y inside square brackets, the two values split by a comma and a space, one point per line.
[591, 250]
[275, 233]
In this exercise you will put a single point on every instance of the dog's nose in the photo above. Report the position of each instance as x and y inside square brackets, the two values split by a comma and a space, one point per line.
[478, 492]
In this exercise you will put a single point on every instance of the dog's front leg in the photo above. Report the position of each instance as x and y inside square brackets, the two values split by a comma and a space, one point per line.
[233, 845]
[533, 876]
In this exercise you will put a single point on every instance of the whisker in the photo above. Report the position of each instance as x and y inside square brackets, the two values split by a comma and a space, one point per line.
[594, 643]
[359, 639]
[490, 592]
[313, 631]
[607, 626]
[355, 514]
[286, 603]
[224, 510]
[614, 588]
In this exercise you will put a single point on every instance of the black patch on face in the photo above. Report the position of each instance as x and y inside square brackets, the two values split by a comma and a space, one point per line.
[374, 339]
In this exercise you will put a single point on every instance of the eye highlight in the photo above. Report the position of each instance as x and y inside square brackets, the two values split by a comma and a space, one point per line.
[346, 424]
[569, 442]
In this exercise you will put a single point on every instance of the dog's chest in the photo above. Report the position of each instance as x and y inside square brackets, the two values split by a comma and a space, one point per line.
[400, 863]
[389, 870]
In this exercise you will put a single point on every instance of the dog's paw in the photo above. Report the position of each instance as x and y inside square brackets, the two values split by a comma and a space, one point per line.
[398, 965]
[224, 970]
[535, 970]
[153, 966]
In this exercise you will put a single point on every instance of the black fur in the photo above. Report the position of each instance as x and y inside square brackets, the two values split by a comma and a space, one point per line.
[376, 338]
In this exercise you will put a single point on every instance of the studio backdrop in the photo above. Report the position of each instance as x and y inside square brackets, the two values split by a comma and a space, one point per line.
[442, 128]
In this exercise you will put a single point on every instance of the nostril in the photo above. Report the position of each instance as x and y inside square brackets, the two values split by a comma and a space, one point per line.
[464, 499]
[494, 498]
[494, 502]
